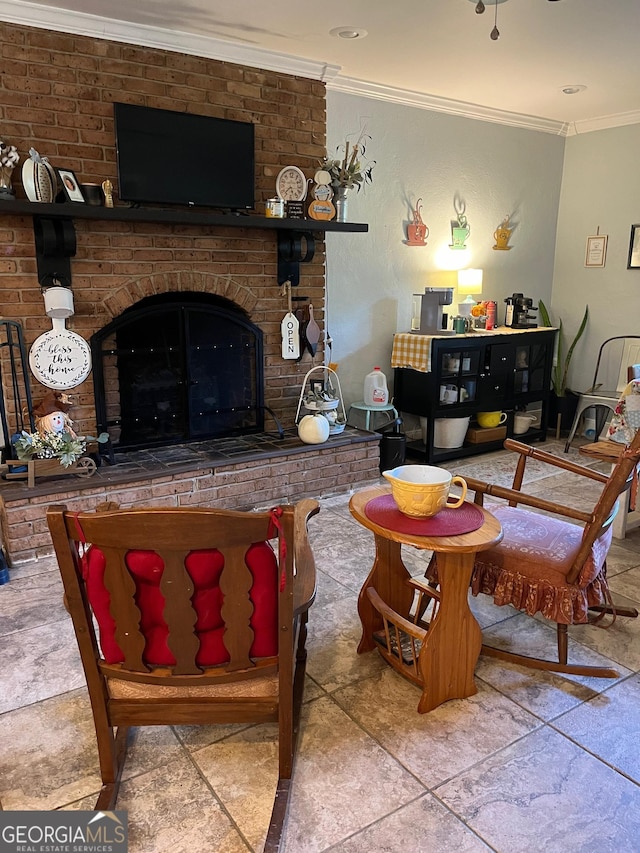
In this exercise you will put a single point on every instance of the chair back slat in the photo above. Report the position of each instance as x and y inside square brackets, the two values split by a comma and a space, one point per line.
[126, 614]
[237, 609]
[179, 614]
[605, 509]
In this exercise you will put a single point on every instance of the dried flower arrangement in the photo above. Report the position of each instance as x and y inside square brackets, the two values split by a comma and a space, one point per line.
[352, 169]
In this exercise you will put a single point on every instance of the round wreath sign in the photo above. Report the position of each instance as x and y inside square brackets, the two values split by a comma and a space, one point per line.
[60, 359]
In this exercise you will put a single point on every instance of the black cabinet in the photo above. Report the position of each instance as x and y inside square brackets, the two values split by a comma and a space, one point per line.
[505, 371]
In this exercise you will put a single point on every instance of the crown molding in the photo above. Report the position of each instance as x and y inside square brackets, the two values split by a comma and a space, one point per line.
[603, 122]
[95, 26]
[445, 105]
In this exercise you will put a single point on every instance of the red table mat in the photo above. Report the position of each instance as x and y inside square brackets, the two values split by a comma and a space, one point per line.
[384, 511]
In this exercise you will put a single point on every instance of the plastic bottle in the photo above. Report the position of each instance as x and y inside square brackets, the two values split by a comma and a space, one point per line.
[376, 392]
[491, 315]
[508, 314]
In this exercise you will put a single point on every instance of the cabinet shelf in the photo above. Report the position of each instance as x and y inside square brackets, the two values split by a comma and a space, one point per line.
[496, 371]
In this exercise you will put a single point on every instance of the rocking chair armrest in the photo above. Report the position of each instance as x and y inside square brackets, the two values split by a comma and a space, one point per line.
[554, 461]
[515, 497]
[304, 582]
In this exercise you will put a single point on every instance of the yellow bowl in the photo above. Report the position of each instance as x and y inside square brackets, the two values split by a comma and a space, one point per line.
[421, 491]
[491, 419]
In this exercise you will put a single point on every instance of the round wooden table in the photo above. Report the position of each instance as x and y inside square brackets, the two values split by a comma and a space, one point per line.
[452, 644]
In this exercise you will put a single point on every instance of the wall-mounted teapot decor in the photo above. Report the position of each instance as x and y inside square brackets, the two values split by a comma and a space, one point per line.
[501, 235]
[460, 229]
[417, 231]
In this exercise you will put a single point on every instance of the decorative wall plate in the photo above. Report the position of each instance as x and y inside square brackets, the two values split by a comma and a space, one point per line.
[39, 178]
[60, 359]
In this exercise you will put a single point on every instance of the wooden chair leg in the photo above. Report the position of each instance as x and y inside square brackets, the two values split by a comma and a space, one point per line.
[281, 805]
[563, 643]
[109, 792]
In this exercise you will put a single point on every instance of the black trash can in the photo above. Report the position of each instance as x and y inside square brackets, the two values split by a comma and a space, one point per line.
[393, 445]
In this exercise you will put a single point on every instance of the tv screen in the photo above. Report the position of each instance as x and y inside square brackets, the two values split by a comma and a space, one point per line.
[168, 157]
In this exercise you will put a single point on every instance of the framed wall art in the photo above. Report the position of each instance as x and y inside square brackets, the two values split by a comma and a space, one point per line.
[634, 248]
[70, 185]
[596, 251]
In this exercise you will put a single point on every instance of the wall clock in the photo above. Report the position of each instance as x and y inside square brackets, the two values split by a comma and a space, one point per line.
[291, 184]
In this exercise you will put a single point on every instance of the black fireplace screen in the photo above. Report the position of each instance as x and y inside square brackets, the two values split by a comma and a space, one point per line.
[178, 367]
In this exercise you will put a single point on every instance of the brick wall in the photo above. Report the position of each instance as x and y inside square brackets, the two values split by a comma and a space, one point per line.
[56, 95]
[313, 472]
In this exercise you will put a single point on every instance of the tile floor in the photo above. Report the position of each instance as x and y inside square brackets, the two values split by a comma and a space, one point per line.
[532, 762]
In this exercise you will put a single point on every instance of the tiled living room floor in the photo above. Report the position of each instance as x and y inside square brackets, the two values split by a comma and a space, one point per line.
[533, 762]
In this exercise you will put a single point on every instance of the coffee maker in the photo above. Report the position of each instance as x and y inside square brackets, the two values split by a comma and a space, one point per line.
[428, 314]
[517, 315]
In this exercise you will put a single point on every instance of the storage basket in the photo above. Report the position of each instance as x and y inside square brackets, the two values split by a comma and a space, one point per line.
[449, 432]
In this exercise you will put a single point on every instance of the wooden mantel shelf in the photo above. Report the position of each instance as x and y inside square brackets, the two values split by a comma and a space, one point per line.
[179, 216]
[295, 238]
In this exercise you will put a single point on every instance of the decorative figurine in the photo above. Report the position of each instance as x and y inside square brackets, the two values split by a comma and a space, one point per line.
[501, 235]
[107, 188]
[9, 159]
[417, 231]
[51, 415]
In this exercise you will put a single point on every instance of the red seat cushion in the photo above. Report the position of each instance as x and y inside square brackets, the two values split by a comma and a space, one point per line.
[204, 568]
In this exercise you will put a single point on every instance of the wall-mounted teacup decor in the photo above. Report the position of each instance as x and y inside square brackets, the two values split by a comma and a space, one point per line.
[501, 235]
[417, 231]
[460, 229]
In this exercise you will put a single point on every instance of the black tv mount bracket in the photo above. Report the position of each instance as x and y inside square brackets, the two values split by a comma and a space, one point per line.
[55, 241]
[294, 248]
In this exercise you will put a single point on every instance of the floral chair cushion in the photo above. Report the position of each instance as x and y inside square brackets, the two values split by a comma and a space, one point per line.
[528, 568]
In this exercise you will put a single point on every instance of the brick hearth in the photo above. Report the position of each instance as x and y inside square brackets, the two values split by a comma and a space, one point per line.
[254, 471]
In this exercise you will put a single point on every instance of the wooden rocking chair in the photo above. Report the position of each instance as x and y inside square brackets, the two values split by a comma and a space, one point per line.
[552, 563]
[199, 621]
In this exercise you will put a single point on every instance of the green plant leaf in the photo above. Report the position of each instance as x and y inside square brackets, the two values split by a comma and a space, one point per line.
[560, 370]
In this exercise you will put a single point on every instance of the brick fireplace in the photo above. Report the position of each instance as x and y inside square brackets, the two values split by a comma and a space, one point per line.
[58, 92]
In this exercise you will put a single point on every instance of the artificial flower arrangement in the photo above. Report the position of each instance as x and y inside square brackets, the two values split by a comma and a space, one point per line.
[64, 446]
[353, 169]
[54, 437]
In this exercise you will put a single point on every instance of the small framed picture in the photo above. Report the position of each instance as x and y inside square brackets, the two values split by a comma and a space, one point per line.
[596, 251]
[316, 386]
[634, 248]
[70, 185]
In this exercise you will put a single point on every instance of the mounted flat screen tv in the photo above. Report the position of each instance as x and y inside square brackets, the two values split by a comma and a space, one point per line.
[167, 157]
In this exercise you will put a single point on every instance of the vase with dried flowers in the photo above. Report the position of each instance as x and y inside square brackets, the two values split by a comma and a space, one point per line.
[352, 169]
[9, 158]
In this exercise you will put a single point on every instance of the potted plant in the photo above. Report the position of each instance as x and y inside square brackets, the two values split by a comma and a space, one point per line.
[563, 401]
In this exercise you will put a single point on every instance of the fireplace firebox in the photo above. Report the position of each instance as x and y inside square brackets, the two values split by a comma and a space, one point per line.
[178, 367]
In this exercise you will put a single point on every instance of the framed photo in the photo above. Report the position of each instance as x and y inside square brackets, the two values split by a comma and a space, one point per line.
[634, 249]
[316, 386]
[70, 185]
[596, 251]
